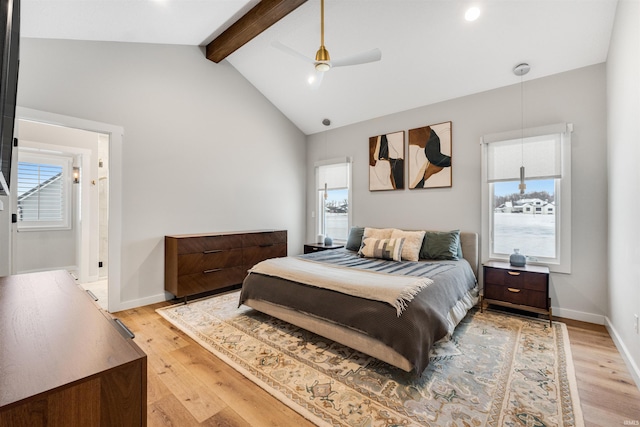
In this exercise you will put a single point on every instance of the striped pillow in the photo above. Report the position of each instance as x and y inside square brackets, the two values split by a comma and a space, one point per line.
[390, 249]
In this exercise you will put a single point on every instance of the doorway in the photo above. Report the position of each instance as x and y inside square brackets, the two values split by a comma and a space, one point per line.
[62, 204]
[95, 222]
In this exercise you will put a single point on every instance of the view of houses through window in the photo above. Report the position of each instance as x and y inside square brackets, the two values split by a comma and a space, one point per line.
[332, 206]
[42, 190]
[39, 192]
[336, 218]
[525, 221]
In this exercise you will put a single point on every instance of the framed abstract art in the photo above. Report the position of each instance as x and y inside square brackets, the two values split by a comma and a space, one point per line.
[430, 156]
[386, 162]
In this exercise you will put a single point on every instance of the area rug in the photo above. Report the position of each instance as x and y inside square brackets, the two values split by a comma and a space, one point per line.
[498, 369]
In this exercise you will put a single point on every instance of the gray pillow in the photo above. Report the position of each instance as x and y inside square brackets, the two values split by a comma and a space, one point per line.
[355, 238]
[441, 245]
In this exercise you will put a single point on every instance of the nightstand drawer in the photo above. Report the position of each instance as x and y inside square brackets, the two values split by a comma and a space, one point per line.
[516, 279]
[516, 295]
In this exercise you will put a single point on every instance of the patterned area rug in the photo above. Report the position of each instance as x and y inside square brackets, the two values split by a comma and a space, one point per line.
[497, 370]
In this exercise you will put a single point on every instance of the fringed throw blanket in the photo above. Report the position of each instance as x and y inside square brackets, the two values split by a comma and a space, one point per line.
[395, 290]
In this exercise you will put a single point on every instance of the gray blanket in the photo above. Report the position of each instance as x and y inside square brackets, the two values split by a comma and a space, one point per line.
[422, 324]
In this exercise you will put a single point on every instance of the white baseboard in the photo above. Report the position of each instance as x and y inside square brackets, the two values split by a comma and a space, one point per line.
[126, 305]
[582, 316]
[41, 270]
[626, 355]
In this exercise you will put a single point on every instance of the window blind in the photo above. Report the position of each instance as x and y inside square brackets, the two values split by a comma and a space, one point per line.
[539, 149]
[40, 192]
[334, 175]
[541, 157]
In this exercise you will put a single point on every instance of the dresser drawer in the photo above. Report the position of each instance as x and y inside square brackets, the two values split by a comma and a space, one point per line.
[516, 279]
[206, 244]
[196, 283]
[264, 238]
[255, 254]
[209, 260]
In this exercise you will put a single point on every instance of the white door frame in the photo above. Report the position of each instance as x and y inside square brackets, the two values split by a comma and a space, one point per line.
[116, 135]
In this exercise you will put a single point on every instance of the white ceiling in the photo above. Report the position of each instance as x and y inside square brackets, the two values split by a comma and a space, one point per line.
[429, 52]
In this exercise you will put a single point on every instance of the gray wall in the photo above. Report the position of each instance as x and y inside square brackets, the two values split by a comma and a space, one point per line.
[203, 150]
[623, 103]
[578, 97]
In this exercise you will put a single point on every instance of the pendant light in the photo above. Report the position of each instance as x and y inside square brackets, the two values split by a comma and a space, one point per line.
[521, 70]
[325, 122]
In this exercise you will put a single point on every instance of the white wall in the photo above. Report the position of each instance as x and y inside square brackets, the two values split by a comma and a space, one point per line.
[623, 103]
[578, 97]
[203, 150]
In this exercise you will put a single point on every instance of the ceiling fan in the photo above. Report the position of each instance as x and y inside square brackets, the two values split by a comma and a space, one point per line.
[322, 61]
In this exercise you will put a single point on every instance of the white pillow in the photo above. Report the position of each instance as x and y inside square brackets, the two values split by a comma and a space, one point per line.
[412, 243]
[377, 233]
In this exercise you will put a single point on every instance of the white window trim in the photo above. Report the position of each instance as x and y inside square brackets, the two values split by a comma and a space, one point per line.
[64, 160]
[563, 191]
[318, 220]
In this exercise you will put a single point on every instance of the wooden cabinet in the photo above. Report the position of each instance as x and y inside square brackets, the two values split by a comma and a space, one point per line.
[64, 362]
[197, 263]
[317, 247]
[525, 288]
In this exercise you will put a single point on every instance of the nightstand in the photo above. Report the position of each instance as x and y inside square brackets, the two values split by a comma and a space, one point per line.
[525, 288]
[317, 247]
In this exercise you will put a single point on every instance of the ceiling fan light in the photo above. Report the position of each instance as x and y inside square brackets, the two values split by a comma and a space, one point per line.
[322, 66]
[472, 13]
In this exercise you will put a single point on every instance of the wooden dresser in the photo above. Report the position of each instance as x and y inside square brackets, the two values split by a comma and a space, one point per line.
[525, 288]
[63, 362]
[197, 263]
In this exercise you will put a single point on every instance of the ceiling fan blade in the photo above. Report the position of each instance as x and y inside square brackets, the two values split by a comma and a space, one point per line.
[316, 79]
[372, 55]
[292, 52]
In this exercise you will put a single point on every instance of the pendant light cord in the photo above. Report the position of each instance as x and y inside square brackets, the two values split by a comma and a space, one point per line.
[521, 70]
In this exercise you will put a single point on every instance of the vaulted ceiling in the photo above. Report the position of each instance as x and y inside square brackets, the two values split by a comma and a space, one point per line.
[430, 53]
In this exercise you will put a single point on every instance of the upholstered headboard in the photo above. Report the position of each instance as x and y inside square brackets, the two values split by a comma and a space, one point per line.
[469, 242]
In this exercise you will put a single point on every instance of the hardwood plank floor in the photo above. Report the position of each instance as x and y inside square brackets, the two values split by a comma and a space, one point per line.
[188, 386]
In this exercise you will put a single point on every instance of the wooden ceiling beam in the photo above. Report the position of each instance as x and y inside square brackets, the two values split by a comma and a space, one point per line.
[262, 16]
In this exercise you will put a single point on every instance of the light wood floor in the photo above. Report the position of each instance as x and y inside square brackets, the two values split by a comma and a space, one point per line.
[188, 386]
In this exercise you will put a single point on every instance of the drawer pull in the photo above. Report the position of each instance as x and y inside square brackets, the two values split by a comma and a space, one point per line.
[212, 251]
[515, 291]
[211, 271]
[513, 273]
[266, 245]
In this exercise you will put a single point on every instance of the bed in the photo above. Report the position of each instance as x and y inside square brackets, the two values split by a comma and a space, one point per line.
[400, 336]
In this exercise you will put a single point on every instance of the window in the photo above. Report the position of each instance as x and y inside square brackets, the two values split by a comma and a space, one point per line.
[536, 220]
[333, 210]
[43, 190]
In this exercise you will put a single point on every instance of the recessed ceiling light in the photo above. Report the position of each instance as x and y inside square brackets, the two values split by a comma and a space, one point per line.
[472, 13]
